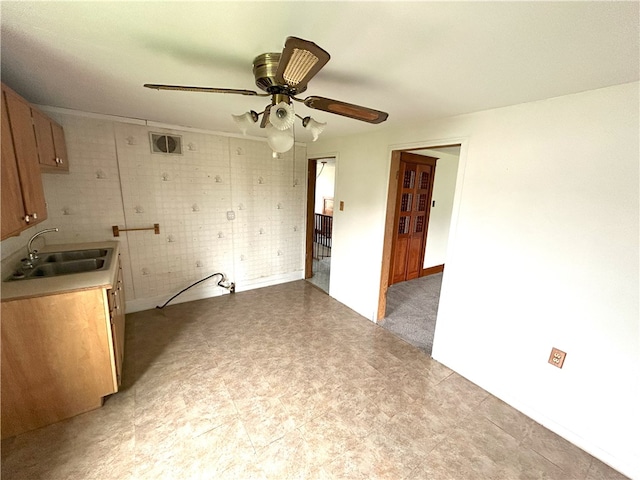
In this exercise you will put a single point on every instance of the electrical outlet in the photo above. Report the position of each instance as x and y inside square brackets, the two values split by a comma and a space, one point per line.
[557, 357]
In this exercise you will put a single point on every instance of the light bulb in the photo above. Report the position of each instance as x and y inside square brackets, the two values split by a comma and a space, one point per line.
[282, 116]
[280, 141]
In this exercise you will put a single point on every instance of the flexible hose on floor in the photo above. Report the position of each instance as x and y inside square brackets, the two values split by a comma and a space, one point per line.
[220, 284]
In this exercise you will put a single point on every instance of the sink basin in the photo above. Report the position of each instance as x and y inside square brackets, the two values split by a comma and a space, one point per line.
[65, 268]
[70, 262]
[74, 255]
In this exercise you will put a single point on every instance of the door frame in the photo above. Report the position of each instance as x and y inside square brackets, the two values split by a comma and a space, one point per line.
[392, 198]
[312, 165]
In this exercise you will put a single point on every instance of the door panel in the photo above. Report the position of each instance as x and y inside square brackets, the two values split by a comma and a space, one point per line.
[60, 146]
[12, 206]
[399, 263]
[26, 153]
[415, 184]
[44, 138]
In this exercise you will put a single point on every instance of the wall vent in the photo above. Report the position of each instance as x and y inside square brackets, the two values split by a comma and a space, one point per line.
[169, 144]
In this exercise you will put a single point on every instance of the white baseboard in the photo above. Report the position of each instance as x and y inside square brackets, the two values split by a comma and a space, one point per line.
[268, 281]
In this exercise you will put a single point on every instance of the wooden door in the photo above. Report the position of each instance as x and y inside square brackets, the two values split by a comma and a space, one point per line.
[415, 185]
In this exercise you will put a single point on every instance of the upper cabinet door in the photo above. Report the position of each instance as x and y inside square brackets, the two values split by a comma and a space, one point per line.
[26, 157]
[44, 138]
[60, 146]
[12, 205]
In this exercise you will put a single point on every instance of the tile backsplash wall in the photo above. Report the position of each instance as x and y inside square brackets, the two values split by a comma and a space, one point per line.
[224, 205]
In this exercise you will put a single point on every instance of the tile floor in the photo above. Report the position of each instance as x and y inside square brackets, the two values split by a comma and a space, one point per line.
[281, 383]
[321, 273]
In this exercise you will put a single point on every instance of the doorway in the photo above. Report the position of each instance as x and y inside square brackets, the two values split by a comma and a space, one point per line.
[319, 237]
[409, 300]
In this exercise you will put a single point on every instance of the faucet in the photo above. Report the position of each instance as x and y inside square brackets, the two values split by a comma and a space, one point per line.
[31, 253]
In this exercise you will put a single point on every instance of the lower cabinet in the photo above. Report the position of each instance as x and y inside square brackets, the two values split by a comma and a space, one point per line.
[61, 354]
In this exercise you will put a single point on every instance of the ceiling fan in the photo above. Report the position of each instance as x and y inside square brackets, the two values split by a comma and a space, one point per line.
[283, 76]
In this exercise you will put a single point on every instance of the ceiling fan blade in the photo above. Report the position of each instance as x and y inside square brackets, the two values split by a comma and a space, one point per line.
[346, 109]
[299, 62]
[204, 89]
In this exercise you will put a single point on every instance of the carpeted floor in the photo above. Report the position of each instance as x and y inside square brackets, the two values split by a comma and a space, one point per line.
[412, 307]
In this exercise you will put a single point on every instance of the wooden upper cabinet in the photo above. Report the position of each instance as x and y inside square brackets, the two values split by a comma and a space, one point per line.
[44, 139]
[12, 204]
[23, 205]
[52, 150]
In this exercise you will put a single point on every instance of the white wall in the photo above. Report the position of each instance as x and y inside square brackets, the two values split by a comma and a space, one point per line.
[543, 253]
[444, 186]
[114, 179]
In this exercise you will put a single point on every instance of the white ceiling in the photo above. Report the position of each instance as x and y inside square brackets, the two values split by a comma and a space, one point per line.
[415, 60]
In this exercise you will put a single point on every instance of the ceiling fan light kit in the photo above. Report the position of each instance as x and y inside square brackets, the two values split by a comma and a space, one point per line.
[280, 141]
[313, 126]
[282, 116]
[283, 76]
[245, 120]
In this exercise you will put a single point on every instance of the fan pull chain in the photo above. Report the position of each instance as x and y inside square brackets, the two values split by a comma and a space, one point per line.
[294, 155]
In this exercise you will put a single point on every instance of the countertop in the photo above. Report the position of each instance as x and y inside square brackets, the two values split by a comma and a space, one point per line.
[37, 287]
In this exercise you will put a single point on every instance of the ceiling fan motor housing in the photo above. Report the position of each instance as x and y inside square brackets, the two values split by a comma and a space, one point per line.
[265, 67]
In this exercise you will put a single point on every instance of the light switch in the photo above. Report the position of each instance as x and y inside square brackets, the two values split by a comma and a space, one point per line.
[341, 205]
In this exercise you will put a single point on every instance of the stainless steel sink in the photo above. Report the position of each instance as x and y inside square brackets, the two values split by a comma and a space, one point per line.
[70, 262]
[65, 268]
[74, 255]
